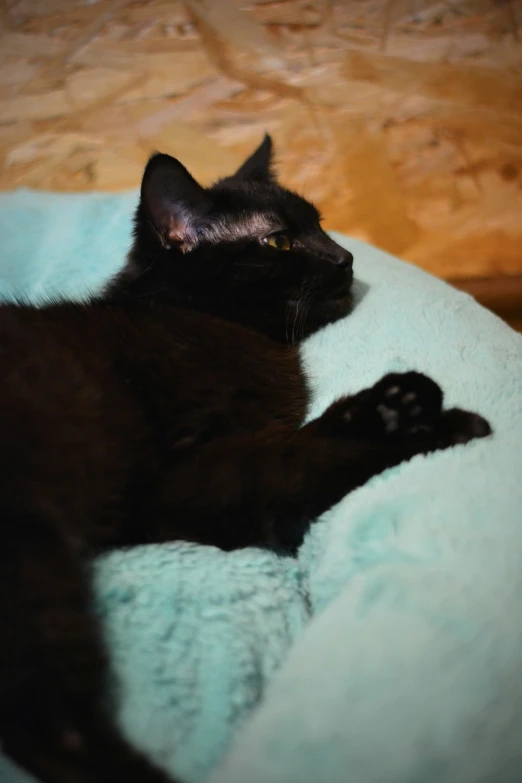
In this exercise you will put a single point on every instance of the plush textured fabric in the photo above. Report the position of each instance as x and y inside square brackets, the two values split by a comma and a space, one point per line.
[391, 650]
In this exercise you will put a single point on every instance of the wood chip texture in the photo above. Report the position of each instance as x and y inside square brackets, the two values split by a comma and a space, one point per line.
[402, 119]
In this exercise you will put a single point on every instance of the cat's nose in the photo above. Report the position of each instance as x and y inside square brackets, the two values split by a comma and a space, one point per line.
[345, 261]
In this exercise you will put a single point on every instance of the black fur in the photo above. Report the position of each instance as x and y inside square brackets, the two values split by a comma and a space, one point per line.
[170, 407]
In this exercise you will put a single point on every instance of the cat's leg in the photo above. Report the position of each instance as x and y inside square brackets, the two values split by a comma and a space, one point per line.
[266, 489]
[55, 716]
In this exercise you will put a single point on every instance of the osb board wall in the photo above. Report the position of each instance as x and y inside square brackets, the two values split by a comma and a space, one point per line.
[401, 118]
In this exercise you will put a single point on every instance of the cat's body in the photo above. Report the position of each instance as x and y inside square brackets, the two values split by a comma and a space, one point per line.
[113, 398]
[170, 407]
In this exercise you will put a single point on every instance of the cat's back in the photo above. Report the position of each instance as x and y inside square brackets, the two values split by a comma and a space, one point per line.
[69, 428]
[43, 347]
[93, 397]
[59, 338]
[87, 360]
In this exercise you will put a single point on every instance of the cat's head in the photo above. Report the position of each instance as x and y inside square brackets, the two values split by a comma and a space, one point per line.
[245, 249]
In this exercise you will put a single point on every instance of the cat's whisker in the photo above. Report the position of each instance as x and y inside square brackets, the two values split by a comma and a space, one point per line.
[299, 306]
[294, 321]
[302, 307]
[289, 307]
[304, 314]
[146, 269]
[149, 293]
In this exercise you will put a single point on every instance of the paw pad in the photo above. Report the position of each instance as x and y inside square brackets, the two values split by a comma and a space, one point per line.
[407, 404]
[389, 416]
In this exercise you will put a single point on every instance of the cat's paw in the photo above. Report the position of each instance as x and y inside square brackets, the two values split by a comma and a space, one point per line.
[406, 408]
[399, 405]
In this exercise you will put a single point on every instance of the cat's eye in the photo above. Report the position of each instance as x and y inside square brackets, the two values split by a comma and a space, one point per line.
[279, 241]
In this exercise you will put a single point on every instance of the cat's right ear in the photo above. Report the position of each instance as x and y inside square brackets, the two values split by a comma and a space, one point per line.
[173, 201]
[259, 165]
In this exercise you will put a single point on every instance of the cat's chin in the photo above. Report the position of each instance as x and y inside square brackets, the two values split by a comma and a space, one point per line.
[327, 312]
[334, 309]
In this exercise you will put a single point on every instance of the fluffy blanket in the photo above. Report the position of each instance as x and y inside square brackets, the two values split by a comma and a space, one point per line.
[389, 650]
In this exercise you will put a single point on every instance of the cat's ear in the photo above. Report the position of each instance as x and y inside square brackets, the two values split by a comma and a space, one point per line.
[174, 203]
[259, 165]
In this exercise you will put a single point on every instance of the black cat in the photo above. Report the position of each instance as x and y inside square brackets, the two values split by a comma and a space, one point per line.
[170, 407]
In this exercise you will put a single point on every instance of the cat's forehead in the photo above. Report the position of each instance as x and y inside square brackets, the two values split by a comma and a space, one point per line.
[245, 224]
[262, 205]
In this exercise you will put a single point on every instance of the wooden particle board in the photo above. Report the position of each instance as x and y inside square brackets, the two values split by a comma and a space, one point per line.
[402, 120]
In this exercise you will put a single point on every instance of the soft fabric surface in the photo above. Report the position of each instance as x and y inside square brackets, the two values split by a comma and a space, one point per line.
[391, 650]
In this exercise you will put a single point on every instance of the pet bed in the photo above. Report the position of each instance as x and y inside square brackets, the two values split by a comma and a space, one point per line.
[389, 651]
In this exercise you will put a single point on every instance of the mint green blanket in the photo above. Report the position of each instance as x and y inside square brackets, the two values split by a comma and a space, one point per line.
[390, 651]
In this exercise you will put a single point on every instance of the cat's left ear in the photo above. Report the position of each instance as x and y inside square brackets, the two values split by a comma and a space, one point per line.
[258, 166]
[174, 202]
